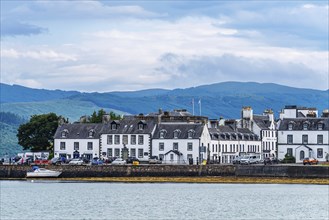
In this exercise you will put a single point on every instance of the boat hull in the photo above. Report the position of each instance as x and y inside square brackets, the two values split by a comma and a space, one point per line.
[43, 173]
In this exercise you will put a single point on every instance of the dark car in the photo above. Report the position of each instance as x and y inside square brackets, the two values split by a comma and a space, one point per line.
[132, 159]
[269, 160]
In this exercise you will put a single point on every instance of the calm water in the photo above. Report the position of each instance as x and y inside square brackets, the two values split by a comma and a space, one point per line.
[67, 200]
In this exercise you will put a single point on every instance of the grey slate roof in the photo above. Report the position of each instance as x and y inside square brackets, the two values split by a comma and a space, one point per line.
[262, 121]
[130, 126]
[228, 133]
[184, 128]
[298, 123]
[79, 131]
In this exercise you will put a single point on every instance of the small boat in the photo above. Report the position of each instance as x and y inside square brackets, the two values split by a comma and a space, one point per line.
[42, 172]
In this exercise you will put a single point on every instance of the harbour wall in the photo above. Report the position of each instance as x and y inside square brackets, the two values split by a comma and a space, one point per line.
[68, 171]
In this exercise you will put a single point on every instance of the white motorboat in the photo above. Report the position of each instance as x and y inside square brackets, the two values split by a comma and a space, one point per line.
[42, 172]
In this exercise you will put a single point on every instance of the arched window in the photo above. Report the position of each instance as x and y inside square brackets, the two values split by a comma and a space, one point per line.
[302, 155]
[176, 133]
[190, 133]
[91, 133]
[163, 133]
[64, 133]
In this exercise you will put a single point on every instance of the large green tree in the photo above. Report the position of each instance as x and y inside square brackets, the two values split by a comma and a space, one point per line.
[38, 133]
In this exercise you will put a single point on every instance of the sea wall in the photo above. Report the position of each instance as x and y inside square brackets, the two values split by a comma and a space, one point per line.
[68, 171]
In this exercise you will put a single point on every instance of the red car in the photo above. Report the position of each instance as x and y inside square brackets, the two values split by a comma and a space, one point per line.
[310, 161]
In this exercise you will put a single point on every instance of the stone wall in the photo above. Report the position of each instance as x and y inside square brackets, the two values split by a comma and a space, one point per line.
[68, 171]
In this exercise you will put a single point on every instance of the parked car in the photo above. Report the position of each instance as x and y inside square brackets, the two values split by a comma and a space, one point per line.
[154, 160]
[310, 161]
[269, 160]
[96, 161]
[131, 159]
[76, 161]
[56, 161]
[119, 161]
[250, 159]
[237, 160]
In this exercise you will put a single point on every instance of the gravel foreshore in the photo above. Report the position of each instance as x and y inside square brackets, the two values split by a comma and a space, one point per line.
[247, 180]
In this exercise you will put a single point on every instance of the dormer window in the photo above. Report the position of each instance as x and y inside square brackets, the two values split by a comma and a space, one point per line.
[290, 125]
[320, 126]
[190, 133]
[305, 126]
[176, 133]
[140, 126]
[64, 133]
[91, 133]
[163, 133]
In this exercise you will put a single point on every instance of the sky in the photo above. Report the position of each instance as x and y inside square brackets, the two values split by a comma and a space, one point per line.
[102, 46]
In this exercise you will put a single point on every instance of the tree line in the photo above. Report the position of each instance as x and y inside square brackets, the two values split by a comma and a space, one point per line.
[38, 133]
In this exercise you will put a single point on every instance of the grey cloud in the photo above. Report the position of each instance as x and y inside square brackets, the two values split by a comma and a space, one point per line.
[191, 71]
[14, 28]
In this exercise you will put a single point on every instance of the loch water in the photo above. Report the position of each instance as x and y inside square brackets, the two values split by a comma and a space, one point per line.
[93, 200]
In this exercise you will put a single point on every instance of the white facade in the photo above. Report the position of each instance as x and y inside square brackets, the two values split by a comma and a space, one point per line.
[303, 137]
[68, 148]
[178, 150]
[138, 145]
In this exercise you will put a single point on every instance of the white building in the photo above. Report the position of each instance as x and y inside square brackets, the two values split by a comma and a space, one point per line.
[130, 137]
[181, 142]
[303, 137]
[264, 126]
[229, 142]
[77, 140]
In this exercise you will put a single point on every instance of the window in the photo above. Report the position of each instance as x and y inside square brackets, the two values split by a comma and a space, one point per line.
[109, 139]
[161, 156]
[290, 139]
[117, 152]
[91, 133]
[64, 133]
[289, 151]
[290, 126]
[90, 146]
[161, 146]
[133, 139]
[62, 146]
[109, 152]
[189, 146]
[175, 146]
[320, 152]
[171, 157]
[189, 156]
[140, 153]
[76, 145]
[320, 139]
[113, 126]
[125, 139]
[140, 139]
[301, 155]
[162, 133]
[176, 133]
[320, 126]
[116, 139]
[190, 133]
[133, 152]
[140, 126]
[305, 139]
[305, 126]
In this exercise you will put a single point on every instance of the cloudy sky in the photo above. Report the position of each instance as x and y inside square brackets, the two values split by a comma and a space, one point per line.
[117, 45]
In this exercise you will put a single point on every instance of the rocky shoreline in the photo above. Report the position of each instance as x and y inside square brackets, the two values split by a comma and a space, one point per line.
[205, 179]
